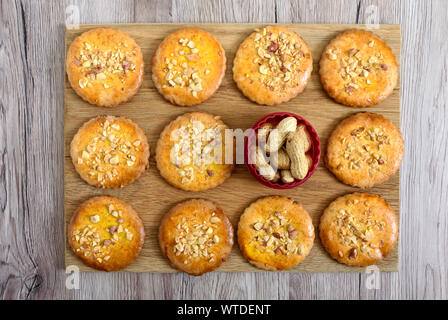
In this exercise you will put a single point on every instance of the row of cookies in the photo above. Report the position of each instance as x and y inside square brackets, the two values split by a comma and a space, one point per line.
[111, 152]
[273, 65]
[363, 150]
[274, 233]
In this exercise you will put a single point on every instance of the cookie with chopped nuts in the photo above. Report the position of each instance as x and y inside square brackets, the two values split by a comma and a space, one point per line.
[358, 229]
[364, 150]
[358, 69]
[275, 233]
[106, 233]
[110, 152]
[196, 236]
[272, 65]
[191, 153]
[188, 67]
[105, 67]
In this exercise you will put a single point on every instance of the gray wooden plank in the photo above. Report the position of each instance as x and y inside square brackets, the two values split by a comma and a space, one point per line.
[317, 11]
[423, 269]
[223, 11]
[323, 286]
[24, 168]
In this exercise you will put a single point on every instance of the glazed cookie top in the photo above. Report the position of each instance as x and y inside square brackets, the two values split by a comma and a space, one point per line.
[358, 69]
[106, 233]
[105, 66]
[359, 229]
[364, 150]
[272, 65]
[188, 66]
[196, 236]
[191, 153]
[110, 152]
[275, 233]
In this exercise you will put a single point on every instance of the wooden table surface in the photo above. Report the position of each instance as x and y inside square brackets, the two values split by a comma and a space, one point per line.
[31, 151]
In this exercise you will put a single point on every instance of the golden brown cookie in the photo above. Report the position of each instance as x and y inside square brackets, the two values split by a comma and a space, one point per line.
[272, 65]
[359, 229]
[196, 236]
[275, 233]
[110, 152]
[188, 67]
[364, 150]
[105, 67]
[358, 69]
[191, 153]
[106, 233]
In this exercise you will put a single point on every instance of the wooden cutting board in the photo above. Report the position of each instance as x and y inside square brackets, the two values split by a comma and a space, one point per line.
[152, 197]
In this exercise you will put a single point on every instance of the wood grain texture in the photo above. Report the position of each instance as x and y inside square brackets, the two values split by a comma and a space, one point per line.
[31, 150]
[153, 113]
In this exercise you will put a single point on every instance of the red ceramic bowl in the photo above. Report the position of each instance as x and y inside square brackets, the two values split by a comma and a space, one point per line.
[275, 118]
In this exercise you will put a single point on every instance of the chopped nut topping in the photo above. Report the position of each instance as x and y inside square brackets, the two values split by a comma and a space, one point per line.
[95, 218]
[258, 226]
[88, 241]
[113, 229]
[97, 64]
[179, 74]
[355, 231]
[215, 220]
[364, 149]
[276, 235]
[114, 160]
[353, 253]
[197, 241]
[279, 59]
[82, 83]
[356, 67]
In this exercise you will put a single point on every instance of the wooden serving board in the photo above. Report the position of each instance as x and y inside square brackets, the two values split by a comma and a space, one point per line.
[152, 197]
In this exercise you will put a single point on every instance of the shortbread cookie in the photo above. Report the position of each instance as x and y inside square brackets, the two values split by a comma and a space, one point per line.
[275, 233]
[272, 65]
[358, 69]
[359, 229]
[106, 233]
[196, 236]
[188, 67]
[364, 150]
[191, 152]
[110, 152]
[105, 67]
